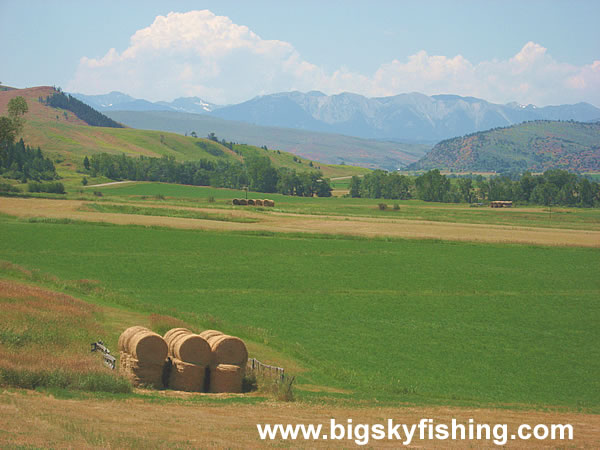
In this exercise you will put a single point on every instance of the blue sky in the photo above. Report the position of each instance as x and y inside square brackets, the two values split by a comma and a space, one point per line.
[541, 52]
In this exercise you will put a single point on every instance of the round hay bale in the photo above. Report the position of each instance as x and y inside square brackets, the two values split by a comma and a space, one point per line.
[243, 201]
[228, 350]
[226, 378]
[147, 347]
[190, 348]
[144, 374]
[168, 334]
[258, 202]
[126, 335]
[267, 202]
[207, 334]
[251, 202]
[186, 377]
[123, 361]
[171, 337]
[235, 201]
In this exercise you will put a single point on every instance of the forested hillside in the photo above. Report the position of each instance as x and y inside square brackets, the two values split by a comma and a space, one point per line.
[536, 146]
[67, 138]
[86, 113]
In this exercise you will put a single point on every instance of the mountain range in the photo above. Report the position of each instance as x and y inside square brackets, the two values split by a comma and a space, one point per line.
[117, 101]
[409, 117]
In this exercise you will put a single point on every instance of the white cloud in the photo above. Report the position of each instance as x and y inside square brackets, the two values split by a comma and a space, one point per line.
[199, 53]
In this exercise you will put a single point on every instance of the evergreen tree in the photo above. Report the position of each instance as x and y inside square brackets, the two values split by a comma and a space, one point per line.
[355, 187]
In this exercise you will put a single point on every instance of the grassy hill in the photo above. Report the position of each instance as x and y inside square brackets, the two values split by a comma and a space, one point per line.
[535, 146]
[69, 139]
[326, 147]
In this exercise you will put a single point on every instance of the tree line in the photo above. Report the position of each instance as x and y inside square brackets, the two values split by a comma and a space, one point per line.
[24, 163]
[85, 112]
[17, 160]
[553, 187]
[256, 173]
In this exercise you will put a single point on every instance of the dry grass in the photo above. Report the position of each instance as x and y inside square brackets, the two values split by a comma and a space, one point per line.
[161, 323]
[45, 337]
[279, 222]
[32, 316]
[140, 424]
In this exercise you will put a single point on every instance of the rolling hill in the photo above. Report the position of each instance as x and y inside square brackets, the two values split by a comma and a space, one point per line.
[326, 147]
[69, 139]
[536, 146]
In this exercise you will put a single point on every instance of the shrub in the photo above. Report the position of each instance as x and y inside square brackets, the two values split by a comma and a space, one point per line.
[396, 207]
[98, 193]
[51, 188]
[63, 379]
[249, 383]
[382, 206]
[279, 388]
[7, 187]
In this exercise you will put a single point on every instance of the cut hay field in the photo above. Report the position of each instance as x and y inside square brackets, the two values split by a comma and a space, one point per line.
[386, 321]
[92, 423]
[204, 215]
[536, 216]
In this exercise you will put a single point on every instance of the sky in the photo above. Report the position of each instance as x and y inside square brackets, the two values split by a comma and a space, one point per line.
[528, 51]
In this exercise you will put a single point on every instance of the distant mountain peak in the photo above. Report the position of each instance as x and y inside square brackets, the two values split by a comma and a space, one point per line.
[413, 116]
[118, 101]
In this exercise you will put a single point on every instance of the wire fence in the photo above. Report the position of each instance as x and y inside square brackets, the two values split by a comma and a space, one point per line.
[258, 367]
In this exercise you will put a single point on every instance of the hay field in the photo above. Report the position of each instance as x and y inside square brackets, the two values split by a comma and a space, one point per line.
[249, 219]
[85, 423]
[427, 322]
[530, 216]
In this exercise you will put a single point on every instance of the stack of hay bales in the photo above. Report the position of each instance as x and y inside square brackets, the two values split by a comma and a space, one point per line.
[228, 362]
[143, 355]
[252, 202]
[190, 355]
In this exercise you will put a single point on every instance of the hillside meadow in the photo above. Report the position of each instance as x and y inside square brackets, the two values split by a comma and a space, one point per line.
[373, 320]
[68, 139]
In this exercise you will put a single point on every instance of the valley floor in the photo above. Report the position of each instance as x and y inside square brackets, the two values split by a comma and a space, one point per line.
[310, 223]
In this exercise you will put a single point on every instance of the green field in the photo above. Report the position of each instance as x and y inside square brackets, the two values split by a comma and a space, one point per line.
[537, 216]
[425, 322]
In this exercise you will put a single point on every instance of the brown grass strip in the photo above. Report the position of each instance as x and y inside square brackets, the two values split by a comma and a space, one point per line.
[279, 222]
